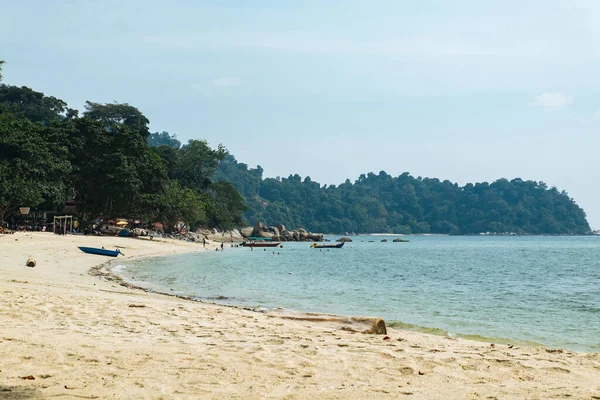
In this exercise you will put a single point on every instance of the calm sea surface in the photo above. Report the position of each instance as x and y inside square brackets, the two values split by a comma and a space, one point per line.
[542, 290]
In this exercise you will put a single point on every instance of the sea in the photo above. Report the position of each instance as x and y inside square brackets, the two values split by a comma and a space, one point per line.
[528, 290]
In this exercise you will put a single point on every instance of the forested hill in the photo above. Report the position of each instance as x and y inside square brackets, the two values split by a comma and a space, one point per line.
[100, 165]
[405, 204]
[106, 163]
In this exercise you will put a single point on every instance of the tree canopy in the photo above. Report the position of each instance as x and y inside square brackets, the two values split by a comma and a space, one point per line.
[102, 163]
[405, 204]
[108, 163]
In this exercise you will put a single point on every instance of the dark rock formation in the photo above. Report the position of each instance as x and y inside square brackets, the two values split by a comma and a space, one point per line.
[280, 233]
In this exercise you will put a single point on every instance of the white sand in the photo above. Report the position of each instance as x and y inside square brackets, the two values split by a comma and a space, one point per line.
[79, 339]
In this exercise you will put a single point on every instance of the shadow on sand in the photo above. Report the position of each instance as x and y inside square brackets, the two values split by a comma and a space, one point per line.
[18, 393]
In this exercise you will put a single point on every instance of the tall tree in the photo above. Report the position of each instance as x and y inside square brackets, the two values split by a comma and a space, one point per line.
[112, 115]
[197, 163]
[26, 103]
[164, 139]
[34, 164]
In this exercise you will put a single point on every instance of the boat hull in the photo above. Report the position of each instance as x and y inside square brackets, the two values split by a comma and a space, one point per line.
[262, 244]
[327, 246]
[99, 252]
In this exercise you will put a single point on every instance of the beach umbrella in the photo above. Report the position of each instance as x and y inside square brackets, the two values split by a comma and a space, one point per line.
[122, 223]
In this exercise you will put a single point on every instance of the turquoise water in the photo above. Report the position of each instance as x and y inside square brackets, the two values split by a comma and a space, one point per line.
[528, 289]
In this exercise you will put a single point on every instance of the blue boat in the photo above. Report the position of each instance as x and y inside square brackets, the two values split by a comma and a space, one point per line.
[100, 252]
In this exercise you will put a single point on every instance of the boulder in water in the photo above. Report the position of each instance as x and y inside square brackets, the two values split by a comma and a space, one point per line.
[344, 239]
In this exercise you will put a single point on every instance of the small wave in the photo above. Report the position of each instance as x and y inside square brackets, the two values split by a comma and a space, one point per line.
[120, 268]
[442, 332]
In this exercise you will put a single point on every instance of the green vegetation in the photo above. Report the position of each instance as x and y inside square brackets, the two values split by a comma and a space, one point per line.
[404, 204]
[109, 164]
[101, 161]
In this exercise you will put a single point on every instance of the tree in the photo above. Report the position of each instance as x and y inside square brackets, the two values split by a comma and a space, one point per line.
[197, 163]
[163, 139]
[116, 114]
[24, 102]
[34, 164]
[226, 206]
[115, 171]
[178, 203]
[1, 63]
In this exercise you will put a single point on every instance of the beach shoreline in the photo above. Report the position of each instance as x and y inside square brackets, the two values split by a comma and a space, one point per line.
[82, 336]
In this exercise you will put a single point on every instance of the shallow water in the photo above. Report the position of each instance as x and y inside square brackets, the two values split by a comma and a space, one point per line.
[529, 289]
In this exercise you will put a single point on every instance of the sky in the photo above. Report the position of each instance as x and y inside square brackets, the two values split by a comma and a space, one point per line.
[465, 90]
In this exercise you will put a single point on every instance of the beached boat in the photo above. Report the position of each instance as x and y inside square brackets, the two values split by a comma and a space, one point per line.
[100, 252]
[327, 246]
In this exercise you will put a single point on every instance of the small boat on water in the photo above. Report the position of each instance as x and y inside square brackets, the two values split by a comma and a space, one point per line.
[260, 242]
[100, 252]
[327, 246]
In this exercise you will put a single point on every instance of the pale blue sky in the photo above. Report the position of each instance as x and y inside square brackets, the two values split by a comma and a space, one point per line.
[463, 90]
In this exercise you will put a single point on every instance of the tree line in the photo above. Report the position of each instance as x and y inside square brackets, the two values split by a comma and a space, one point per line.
[380, 203]
[107, 163]
[101, 162]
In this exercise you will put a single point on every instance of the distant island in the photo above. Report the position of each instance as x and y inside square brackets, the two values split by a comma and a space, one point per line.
[107, 163]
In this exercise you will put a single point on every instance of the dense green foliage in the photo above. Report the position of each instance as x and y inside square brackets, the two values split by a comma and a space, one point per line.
[101, 161]
[109, 164]
[164, 138]
[404, 204]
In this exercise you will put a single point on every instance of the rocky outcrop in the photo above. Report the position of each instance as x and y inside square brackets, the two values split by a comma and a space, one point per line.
[398, 240]
[280, 233]
[287, 235]
[344, 239]
[258, 228]
[314, 237]
[214, 235]
[247, 231]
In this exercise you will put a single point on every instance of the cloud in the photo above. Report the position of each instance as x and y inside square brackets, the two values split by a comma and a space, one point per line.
[552, 101]
[226, 82]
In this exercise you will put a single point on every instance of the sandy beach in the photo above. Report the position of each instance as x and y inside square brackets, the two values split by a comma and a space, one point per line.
[68, 334]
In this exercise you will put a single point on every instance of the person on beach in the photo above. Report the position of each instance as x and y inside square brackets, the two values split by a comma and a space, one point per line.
[221, 246]
[203, 242]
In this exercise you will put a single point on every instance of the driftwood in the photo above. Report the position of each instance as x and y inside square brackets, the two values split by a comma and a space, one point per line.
[368, 325]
